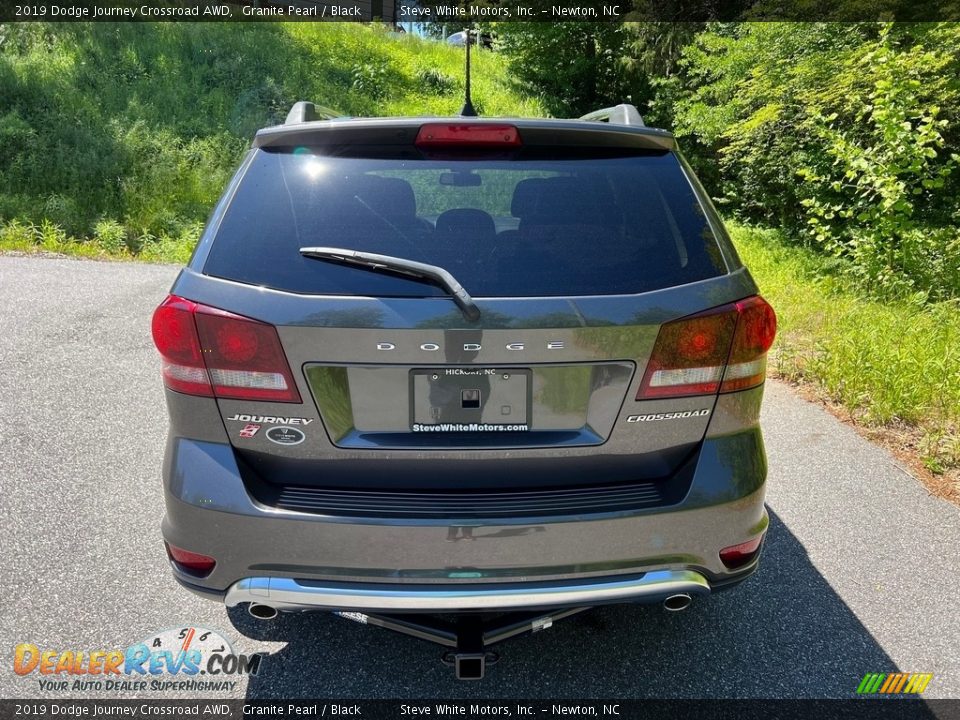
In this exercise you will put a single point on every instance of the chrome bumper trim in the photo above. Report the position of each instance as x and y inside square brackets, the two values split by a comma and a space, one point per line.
[290, 594]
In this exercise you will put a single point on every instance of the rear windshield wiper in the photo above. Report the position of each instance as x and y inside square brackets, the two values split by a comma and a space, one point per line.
[399, 266]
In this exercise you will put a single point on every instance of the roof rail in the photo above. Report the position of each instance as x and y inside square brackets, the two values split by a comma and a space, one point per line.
[304, 111]
[622, 114]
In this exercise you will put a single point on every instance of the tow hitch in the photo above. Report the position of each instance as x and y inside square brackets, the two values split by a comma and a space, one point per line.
[470, 636]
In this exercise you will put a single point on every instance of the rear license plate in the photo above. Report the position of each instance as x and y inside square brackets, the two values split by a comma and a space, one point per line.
[469, 399]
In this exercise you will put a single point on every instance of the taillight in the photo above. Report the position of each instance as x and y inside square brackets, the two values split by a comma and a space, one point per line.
[736, 556]
[756, 329]
[192, 562]
[720, 350]
[478, 135]
[207, 351]
[175, 335]
[244, 357]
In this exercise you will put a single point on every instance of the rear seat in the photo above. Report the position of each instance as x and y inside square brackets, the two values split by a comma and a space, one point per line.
[558, 220]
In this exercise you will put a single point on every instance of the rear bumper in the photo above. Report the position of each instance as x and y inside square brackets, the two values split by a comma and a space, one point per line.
[298, 560]
[292, 594]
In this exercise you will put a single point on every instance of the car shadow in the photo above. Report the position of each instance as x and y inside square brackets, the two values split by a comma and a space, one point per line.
[783, 633]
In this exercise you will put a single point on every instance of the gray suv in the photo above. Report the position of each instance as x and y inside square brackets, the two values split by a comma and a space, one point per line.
[463, 366]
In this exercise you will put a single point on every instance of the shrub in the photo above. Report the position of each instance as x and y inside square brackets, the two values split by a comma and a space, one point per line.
[435, 82]
[370, 79]
[110, 236]
[15, 234]
[51, 237]
[840, 135]
[863, 197]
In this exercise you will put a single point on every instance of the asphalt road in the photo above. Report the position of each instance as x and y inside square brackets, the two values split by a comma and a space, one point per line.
[861, 571]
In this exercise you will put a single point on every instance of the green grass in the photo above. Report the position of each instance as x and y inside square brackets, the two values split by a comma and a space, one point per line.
[123, 135]
[890, 363]
[26, 237]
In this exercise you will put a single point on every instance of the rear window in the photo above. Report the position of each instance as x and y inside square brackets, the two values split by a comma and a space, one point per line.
[502, 227]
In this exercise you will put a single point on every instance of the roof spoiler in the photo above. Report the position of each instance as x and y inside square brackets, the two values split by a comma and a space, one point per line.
[622, 114]
[304, 111]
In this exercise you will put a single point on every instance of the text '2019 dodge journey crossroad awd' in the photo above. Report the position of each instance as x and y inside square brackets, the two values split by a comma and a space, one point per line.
[423, 365]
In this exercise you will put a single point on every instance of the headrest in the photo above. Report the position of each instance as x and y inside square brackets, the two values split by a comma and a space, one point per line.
[391, 197]
[574, 201]
[526, 195]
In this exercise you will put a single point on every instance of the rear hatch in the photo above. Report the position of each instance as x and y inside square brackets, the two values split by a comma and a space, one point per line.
[576, 247]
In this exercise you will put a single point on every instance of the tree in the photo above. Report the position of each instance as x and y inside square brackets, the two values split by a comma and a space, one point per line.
[573, 66]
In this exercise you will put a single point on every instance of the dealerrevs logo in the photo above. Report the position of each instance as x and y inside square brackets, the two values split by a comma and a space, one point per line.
[174, 659]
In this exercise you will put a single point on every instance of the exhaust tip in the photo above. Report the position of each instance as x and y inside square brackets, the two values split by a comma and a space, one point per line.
[678, 602]
[262, 612]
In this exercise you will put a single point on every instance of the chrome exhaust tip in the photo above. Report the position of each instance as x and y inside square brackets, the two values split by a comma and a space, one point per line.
[262, 612]
[678, 602]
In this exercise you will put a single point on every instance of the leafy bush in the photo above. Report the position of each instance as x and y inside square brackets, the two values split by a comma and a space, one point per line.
[864, 194]
[111, 236]
[18, 235]
[575, 67]
[839, 134]
[435, 82]
[62, 211]
[370, 79]
[51, 236]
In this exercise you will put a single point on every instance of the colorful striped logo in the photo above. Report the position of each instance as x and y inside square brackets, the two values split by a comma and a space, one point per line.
[892, 683]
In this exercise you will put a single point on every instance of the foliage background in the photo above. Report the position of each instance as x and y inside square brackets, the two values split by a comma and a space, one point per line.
[843, 135]
[126, 133]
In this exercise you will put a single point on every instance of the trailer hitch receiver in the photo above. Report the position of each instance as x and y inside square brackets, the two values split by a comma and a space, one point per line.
[469, 637]
[470, 666]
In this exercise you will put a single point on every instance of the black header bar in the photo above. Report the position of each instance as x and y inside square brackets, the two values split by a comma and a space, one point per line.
[479, 11]
[611, 709]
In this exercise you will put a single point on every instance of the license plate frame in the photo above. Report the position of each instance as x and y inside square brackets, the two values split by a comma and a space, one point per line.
[440, 398]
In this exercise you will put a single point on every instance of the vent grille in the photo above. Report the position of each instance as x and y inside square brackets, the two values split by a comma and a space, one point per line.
[448, 505]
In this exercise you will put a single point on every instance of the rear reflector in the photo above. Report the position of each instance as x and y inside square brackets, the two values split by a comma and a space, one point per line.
[720, 350]
[207, 351]
[477, 135]
[736, 556]
[192, 562]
